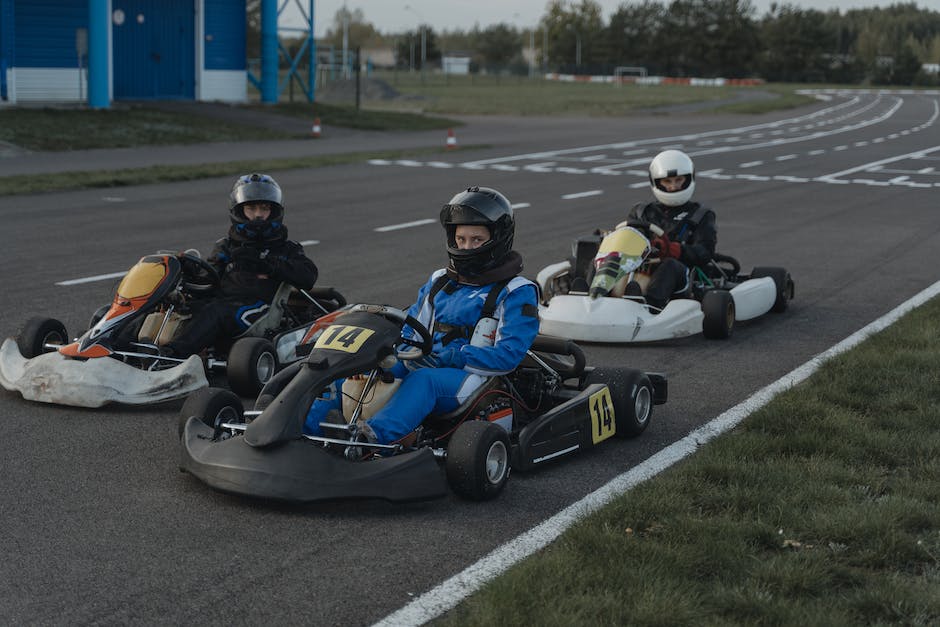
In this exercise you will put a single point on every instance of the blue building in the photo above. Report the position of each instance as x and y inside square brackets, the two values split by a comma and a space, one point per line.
[137, 49]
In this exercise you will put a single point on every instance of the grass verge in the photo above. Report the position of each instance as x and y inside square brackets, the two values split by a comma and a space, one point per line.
[363, 119]
[36, 183]
[130, 125]
[822, 508]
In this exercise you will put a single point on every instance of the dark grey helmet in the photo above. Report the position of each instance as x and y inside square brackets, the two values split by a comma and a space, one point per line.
[479, 206]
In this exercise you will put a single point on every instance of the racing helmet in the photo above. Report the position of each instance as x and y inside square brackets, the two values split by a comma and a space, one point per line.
[256, 188]
[672, 163]
[479, 206]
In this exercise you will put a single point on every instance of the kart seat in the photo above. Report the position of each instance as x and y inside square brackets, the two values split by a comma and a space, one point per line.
[308, 304]
[560, 354]
[442, 423]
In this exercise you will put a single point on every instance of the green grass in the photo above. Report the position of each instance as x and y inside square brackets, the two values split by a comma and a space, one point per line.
[37, 183]
[507, 96]
[364, 119]
[122, 126]
[822, 508]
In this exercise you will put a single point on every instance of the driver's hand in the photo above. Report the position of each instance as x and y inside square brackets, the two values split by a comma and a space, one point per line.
[248, 259]
[667, 248]
[451, 358]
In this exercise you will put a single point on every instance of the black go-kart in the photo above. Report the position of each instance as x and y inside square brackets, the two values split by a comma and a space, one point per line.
[551, 406]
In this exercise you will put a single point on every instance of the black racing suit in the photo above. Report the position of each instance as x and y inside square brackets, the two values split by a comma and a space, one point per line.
[250, 271]
[691, 225]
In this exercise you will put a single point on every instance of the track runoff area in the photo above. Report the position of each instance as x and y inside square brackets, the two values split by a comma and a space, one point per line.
[448, 594]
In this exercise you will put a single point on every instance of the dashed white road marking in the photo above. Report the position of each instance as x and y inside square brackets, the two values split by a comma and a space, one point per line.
[403, 225]
[92, 279]
[593, 192]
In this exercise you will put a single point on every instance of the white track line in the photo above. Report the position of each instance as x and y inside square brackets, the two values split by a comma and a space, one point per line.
[448, 594]
[593, 192]
[92, 279]
[403, 225]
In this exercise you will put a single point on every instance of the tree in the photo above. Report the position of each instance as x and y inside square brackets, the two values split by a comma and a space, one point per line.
[798, 45]
[567, 24]
[633, 36]
[498, 46]
[358, 31]
[408, 47]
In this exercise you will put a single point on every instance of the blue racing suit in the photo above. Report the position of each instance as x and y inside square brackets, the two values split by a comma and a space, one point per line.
[442, 381]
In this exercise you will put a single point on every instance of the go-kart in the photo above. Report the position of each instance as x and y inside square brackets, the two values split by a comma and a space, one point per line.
[597, 294]
[551, 406]
[119, 358]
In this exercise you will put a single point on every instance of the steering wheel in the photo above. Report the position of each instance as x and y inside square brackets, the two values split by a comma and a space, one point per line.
[423, 345]
[199, 275]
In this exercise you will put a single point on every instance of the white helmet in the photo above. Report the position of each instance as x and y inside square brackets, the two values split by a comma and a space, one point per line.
[672, 163]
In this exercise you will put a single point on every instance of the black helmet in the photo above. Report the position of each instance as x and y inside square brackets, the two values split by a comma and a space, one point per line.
[255, 188]
[479, 206]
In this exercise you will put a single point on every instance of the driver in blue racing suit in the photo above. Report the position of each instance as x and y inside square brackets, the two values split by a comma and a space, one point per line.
[469, 346]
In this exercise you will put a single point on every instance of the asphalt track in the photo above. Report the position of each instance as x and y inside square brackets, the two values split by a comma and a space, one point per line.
[98, 525]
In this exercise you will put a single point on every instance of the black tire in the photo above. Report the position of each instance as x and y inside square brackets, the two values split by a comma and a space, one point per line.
[632, 395]
[478, 460]
[252, 361]
[37, 332]
[785, 288]
[718, 307]
[98, 315]
[213, 406]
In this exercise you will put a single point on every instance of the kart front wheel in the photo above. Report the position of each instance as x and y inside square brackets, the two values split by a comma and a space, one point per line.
[252, 361]
[478, 460]
[718, 308]
[39, 332]
[783, 282]
[98, 315]
[631, 393]
[214, 407]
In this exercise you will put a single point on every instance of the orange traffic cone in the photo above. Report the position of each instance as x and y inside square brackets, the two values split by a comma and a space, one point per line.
[315, 131]
[451, 139]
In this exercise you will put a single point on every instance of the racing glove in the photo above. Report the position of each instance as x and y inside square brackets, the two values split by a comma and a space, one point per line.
[667, 248]
[451, 358]
[249, 259]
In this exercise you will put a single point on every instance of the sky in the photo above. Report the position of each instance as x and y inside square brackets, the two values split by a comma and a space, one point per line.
[400, 15]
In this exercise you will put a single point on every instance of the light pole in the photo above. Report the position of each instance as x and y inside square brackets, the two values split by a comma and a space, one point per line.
[424, 42]
[577, 39]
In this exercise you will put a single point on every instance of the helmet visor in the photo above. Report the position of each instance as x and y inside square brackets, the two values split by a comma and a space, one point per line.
[258, 191]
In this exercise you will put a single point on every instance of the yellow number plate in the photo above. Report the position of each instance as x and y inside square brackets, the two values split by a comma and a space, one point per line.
[341, 337]
[602, 415]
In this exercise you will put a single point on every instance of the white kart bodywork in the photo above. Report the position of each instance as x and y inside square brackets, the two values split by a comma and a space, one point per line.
[611, 319]
[54, 378]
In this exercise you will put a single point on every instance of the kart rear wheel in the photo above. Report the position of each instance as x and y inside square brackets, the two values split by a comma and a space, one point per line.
[785, 289]
[252, 361]
[718, 307]
[213, 406]
[631, 393]
[478, 460]
[37, 332]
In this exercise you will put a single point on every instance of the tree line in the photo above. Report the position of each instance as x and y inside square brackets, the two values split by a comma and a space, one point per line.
[700, 38]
